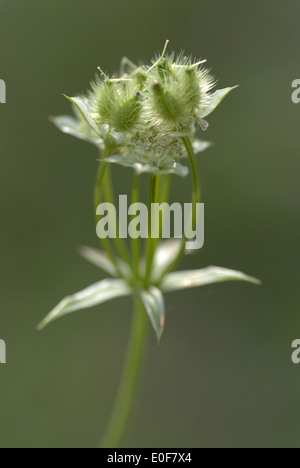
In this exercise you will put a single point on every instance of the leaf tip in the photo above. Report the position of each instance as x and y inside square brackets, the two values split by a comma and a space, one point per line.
[40, 326]
[43, 324]
[68, 97]
[255, 281]
[81, 250]
[258, 282]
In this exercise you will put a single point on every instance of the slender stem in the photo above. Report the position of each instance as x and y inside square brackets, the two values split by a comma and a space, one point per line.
[136, 242]
[99, 184]
[101, 177]
[109, 194]
[196, 197]
[150, 244]
[129, 383]
[196, 178]
[165, 183]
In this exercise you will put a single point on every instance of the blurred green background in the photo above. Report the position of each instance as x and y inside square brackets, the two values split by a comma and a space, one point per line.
[223, 375]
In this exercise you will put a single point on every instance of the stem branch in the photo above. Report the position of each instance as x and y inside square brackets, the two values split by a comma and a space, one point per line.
[196, 197]
[101, 177]
[136, 242]
[196, 178]
[109, 195]
[150, 244]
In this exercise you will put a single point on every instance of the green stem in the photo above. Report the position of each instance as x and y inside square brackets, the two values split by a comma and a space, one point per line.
[136, 242]
[101, 178]
[196, 197]
[165, 184]
[109, 194]
[150, 244]
[196, 178]
[129, 383]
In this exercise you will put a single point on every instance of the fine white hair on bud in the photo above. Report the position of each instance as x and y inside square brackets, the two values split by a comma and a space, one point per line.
[116, 103]
[141, 114]
[177, 90]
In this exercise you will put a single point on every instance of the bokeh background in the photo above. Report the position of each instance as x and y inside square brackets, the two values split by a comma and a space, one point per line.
[223, 375]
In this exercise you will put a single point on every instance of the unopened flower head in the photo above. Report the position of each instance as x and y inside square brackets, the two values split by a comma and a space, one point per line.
[138, 118]
[116, 103]
[178, 90]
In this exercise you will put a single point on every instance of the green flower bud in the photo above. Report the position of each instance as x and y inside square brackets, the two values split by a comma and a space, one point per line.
[126, 115]
[116, 103]
[192, 88]
[139, 118]
[106, 97]
[167, 106]
[177, 92]
[140, 79]
[164, 69]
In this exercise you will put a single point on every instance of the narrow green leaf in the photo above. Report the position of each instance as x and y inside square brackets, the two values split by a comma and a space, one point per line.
[199, 146]
[83, 109]
[154, 303]
[101, 260]
[165, 255]
[141, 168]
[195, 278]
[67, 124]
[93, 295]
[72, 126]
[128, 161]
[215, 99]
[176, 168]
